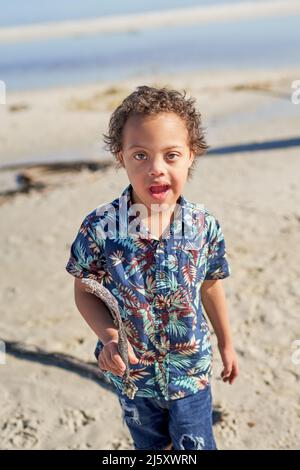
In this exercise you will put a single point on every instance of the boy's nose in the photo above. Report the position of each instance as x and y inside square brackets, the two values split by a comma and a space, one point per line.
[156, 169]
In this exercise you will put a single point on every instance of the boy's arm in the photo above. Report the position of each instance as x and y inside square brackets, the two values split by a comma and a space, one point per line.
[214, 302]
[98, 317]
[95, 313]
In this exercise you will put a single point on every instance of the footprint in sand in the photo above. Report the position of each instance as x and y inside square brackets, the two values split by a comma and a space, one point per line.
[226, 424]
[20, 430]
[75, 419]
[124, 443]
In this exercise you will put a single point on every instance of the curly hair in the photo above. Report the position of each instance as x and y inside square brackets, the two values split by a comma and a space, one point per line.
[150, 101]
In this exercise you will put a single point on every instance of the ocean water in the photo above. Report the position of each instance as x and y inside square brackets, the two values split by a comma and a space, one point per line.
[20, 12]
[256, 43]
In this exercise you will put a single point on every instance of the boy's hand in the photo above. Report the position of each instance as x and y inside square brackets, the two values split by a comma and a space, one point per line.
[110, 360]
[230, 362]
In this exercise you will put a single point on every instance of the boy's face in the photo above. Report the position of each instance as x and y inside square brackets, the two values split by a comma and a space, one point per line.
[157, 157]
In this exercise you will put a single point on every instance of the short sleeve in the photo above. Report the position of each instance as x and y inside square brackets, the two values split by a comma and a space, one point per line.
[87, 254]
[217, 266]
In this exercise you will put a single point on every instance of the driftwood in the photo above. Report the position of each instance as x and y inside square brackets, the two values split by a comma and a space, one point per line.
[22, 177]
[56, 165]
[94, 287]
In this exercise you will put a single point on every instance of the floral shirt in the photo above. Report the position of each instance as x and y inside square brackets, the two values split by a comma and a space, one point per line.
[156, 283]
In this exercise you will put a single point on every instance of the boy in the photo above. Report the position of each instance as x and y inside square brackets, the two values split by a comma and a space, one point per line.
[162, 257]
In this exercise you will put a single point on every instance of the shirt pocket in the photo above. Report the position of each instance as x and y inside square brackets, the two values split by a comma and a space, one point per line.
[191, 267]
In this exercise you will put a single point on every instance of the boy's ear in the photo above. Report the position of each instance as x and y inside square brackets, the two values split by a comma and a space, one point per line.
[191, 158]
[120, 159]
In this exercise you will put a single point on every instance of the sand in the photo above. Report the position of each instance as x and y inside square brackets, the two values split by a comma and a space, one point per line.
[255, 196]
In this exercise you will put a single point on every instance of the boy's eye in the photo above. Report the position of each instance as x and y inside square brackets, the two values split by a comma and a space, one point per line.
[138, 155]
[173, 155]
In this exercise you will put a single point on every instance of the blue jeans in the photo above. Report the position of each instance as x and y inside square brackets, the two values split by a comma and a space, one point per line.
[154, 423]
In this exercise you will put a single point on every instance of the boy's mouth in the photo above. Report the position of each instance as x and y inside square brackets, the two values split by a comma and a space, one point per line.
[159, 191]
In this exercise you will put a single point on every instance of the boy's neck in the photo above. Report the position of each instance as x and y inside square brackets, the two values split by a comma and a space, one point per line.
[157, 223]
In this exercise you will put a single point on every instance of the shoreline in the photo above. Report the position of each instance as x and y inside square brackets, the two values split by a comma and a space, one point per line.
[67, 122]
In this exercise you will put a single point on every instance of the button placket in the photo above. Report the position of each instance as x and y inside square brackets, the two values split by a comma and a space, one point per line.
[162, 332]
[159, 253]
[158, 277]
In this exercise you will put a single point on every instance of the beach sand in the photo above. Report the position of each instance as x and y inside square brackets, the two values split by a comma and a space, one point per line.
[254, 194]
